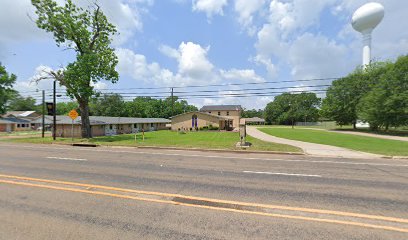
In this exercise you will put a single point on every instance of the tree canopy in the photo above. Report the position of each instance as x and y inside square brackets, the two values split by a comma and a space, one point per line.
[290, 108]
[377, 95]
[20, 103]
[88, 32]
[386, 104]
[250, 113]
[6, 88]
[143, 107]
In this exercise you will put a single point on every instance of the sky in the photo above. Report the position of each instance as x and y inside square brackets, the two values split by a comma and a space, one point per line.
[181, 43]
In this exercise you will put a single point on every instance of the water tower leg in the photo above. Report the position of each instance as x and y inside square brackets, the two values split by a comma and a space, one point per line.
[366, 48]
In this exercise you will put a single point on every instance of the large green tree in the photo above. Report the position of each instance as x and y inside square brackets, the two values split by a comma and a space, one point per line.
[6, 88]
[344, 95]
[290, 108]
[20, 103]
[386, 104]
[89, 33]
[250, 113]
[150, 107]
[108, 105]
[63, 108]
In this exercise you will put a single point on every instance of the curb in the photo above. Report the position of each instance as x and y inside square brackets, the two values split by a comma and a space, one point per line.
[189, 149]
[215, 150]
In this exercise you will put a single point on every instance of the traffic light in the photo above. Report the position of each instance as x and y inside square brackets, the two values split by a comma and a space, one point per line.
[50, 108]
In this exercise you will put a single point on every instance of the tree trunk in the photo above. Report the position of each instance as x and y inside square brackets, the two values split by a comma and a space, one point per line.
[354, 125]
[85, 123]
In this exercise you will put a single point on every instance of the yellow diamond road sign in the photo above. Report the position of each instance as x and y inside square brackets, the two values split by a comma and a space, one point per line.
[73, 114]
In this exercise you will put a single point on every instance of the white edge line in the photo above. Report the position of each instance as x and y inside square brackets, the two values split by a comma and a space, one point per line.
[71, 159]
[284, 174]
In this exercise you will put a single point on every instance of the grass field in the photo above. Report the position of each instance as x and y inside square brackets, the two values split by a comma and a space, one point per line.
[203, 140]
[359, 143]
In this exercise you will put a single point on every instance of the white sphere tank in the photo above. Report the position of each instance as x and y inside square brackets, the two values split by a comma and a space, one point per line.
[364, 20]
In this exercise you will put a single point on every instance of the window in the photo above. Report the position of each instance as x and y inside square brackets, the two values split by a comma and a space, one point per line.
[18, 125]
[151, 125]
[135, 125]
[110, 127]
[227, 113]
[219, 113]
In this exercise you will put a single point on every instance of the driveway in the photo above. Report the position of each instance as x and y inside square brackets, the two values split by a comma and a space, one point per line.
[311, 148]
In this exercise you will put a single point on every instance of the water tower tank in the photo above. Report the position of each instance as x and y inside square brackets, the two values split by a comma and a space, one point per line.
[364, 20]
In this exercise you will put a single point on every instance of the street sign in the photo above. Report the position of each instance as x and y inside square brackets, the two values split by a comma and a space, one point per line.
[73, 114]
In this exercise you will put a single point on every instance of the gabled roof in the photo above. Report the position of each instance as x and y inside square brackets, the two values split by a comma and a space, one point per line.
[207, 108]
[19, 113]
[203, 113]
[13, 120]
[101, 120]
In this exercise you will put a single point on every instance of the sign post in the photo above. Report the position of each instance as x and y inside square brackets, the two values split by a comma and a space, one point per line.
[73, 114]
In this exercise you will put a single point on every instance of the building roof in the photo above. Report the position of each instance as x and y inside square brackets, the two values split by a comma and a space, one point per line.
[254, 119]
[204, 113]
[207, 108]
[19, 113]
[5, 121]
[13, 120]
[101, 120]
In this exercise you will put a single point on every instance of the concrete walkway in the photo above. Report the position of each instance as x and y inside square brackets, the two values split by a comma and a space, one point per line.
[374, 135]
[311, 148]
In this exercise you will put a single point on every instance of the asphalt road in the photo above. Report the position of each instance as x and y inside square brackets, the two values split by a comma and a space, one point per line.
[62, 192]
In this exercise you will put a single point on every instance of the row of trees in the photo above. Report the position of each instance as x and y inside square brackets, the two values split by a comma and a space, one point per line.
[377, 95]
[114, 105]
[290, 108]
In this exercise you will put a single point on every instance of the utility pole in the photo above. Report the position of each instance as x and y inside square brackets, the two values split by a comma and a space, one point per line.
[172, 103]
[43, 114]
[54, 134]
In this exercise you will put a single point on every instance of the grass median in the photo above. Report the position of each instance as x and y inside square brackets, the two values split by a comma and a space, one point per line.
[202, 140]
[354, 142]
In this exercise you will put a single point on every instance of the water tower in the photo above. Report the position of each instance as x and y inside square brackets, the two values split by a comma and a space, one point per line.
[364, 20]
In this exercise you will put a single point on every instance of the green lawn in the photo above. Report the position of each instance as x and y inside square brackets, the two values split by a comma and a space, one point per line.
[204, 140]
[359, 143]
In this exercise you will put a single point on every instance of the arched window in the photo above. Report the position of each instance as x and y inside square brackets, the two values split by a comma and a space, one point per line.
[194, 121]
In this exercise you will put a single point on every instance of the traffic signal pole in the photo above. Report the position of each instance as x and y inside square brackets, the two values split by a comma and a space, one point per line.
[43, 114]
[54, 133]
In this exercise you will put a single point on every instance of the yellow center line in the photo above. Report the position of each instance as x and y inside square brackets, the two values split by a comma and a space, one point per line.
[381, 227]
[297, 209]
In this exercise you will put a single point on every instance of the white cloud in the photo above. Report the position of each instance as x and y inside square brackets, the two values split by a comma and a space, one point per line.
[28, 87]
[15, 24]
[315, 56]
[242, 75]
[210, 7]
[246, 10]
[137, 67]
[298, 14]
[169, 52]
[194, 62]
[126, 15]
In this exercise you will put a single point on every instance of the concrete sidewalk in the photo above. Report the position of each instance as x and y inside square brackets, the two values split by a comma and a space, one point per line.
[373, 135]
[311, 148]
